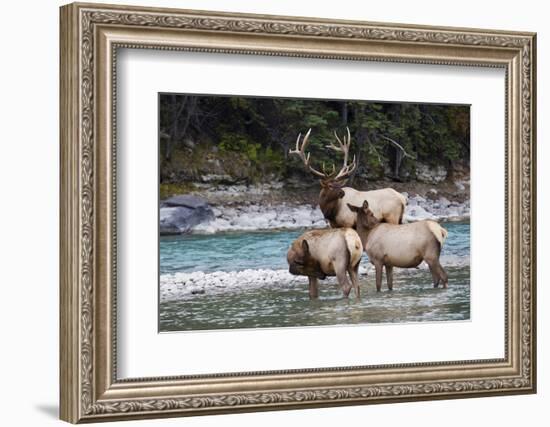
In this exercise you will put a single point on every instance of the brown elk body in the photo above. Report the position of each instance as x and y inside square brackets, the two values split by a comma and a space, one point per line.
[387, 204]
[329, 252]
[402, 245]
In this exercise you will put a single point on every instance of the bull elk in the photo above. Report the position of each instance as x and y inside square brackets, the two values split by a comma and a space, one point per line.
[387, 204]
[328, 252]
[400, 245]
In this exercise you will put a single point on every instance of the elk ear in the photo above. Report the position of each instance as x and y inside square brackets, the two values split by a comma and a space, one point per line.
[305, 247]
[365, 205]
[341, 193]
[353, 208]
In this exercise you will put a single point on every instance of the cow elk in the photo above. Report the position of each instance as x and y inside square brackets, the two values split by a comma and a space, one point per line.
[400, 245]
[387, 204]
[328, 252]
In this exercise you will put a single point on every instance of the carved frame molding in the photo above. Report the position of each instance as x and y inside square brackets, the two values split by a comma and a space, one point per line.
[90, 37]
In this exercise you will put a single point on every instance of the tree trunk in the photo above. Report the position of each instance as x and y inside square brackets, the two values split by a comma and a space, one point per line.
[344, 113]
[175, 132]
[397, 165]
[360, 138]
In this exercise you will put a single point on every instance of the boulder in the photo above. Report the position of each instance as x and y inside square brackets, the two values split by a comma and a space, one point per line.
[179, 214]
[185, 200]
[460, 186]
[432, 194]
[444, 202]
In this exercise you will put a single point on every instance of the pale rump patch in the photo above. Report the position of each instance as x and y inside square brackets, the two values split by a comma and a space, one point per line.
[355, 247]
[439, 232]
[403, 198]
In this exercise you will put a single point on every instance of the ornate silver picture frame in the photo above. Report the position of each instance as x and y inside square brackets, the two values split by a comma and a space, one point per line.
[91, 35]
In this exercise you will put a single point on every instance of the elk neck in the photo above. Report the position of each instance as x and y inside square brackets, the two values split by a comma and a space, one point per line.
[365, 231]
[329, 201]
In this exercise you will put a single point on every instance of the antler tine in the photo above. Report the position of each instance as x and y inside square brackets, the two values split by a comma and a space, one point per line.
[297, 149]
[342, 145]
[331, 173]
[305, 157]
[334, 147]
[346, 169]
[338, 139]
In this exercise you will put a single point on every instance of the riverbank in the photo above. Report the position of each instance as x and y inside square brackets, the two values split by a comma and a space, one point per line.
[221, 208]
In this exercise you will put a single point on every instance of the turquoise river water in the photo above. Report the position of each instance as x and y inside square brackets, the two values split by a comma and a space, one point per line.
[240, 280]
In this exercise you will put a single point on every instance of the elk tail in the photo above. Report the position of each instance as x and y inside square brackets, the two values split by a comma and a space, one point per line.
[354, 246]
[438, 231]
[403, 198]
[403, 201]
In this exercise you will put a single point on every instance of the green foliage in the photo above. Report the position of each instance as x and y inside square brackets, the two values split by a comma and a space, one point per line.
[273, 158]
[233, 142]
[262, 130]
[169, 190]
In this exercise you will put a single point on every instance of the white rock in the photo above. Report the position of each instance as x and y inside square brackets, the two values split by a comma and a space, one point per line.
[420, 199]
[417, 213]
[434, 175]
[259, 217]
[284, 216]
[443, 201]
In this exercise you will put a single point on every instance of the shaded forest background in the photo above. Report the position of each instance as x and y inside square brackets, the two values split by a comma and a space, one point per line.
[246, 139]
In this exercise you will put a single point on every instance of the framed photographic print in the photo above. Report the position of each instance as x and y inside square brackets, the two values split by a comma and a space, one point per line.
[266, 212]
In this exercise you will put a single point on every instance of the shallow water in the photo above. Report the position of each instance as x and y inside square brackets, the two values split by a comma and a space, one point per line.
[239, 280]
[230, 251]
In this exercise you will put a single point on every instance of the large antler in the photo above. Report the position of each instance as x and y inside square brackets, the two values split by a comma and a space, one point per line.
[343, 147]
[300, 152]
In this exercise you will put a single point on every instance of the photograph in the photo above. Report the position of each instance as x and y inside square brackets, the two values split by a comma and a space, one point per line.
[287, 212]
[293, 187]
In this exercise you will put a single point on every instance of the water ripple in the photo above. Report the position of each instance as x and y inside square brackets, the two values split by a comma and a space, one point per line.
[240, 280]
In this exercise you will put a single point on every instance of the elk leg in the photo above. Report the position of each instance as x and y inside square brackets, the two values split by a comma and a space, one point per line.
[313, 290]
[389, 276]
[442, 275]
[435, 277]
[435, 272]
[354, 275]
[378, 268]
[343, 282]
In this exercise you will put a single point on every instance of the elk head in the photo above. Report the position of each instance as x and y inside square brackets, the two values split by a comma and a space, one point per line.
[331, 181]
[302, 263]
[366, 220]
